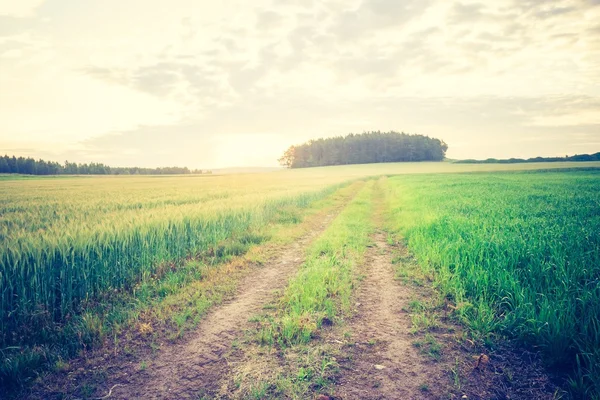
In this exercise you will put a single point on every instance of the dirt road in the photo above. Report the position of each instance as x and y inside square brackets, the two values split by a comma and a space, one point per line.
[192, 368]
[383, 362]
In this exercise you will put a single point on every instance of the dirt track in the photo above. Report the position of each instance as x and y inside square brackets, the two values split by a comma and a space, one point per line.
[192, 368]
[384, 362]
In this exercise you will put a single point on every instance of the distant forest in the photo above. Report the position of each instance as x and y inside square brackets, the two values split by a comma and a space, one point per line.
[365, 148]
[29, 166]
[577, 157]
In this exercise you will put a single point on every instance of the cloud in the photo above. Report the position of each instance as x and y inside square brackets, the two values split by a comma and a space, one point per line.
[373, 15]
[268, 20]
[12, 26]
[115, 75]
[190, 84]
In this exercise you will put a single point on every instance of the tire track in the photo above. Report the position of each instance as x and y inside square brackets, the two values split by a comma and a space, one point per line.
[383, 362]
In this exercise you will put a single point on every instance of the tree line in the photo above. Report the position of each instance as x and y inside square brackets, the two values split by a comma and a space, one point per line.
[576, 157]
[365, 148]
[30, 166]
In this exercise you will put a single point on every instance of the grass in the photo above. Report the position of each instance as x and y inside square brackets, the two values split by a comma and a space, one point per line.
[520, 254]
[321, 291]
[429, 346]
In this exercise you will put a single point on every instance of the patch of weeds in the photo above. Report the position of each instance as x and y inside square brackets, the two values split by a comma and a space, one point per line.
[390, 240]
[424, 387]
[128, 350]
[288, 215]
[237, 382]
[304, 374]
[429, 346]
[424, 322]
[456, 374]
[285, 385]
[260, 390]
[181, 319]
[416, 306]
[266, 335]
[228, 250]
[154, 346]
[253, 237]
[418, 282]
[61, 366]
[256, 318]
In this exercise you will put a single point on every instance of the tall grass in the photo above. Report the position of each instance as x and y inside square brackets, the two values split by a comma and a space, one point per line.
[518, 253]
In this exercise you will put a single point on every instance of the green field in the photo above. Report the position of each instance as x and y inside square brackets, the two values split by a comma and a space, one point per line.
[518, 253]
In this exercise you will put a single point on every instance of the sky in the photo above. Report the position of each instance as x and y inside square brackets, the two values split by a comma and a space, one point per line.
[209, 84]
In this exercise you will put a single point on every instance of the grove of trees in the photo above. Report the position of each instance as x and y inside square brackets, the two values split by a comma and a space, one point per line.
[29, 166]
[365, 148]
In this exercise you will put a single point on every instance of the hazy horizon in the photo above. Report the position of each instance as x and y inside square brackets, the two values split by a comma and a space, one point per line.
[233, 84]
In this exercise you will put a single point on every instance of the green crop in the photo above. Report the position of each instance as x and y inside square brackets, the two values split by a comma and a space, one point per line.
[519, 252]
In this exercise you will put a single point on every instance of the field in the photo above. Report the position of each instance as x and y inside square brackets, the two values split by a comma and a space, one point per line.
[86, 261]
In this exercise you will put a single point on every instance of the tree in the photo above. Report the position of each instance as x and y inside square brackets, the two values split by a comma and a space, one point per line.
[30, 166]
[368, 147]
[4, 168]
[288, 157]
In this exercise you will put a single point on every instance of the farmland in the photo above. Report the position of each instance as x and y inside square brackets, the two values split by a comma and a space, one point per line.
[516, 253]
